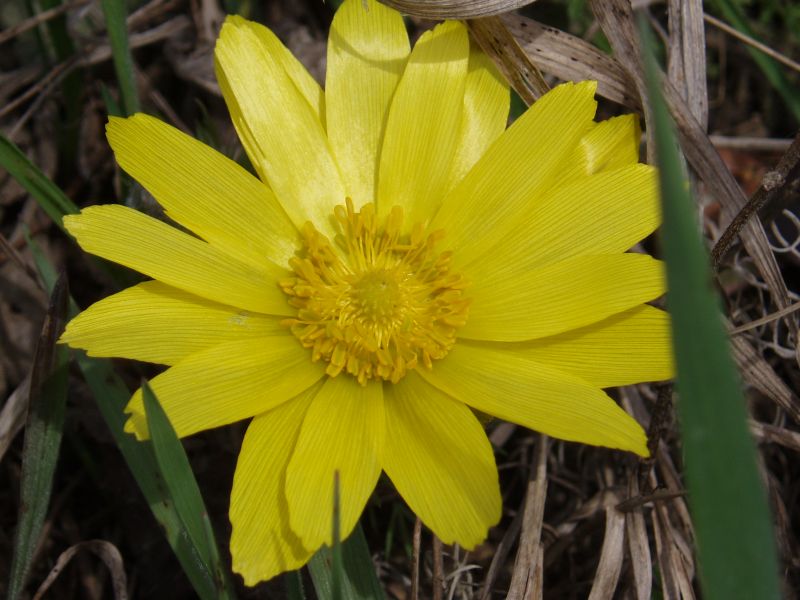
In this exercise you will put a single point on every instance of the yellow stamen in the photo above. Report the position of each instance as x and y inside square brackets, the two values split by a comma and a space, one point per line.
[379, 302]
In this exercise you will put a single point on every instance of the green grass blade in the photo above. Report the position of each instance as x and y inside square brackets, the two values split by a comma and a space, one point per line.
[43, 431]
[49, 196]
[116, 14]
[294, 586]
[185, 493]
[736, 549]
[358, 578]
[111, 396]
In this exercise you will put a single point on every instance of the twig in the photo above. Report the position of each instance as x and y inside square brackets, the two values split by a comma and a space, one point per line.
[767, 319]
[657, 496]
[659, 426]
[756, 144]
[438, 569]
[55, 74]
[39, 18]
[14, 255]
[771, 185]
[415, 552]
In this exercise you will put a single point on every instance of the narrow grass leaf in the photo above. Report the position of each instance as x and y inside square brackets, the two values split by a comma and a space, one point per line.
[49, 196]
[358, 578]
[294, 585]
[736, 549]
[184, 491]
[116, 14]
[43, 432]
[111, 396]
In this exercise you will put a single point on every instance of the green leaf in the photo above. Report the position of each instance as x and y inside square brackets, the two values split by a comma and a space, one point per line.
[43, 431]
[294, 586]
[357, 571]
[49, 196]
[116, 14]
[176, 472]
[736, 549]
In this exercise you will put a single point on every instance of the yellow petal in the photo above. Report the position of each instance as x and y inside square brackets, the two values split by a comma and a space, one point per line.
[512, 305]
[609, 145]
[367, 51]
[152, 247]
[522, 165]
[299, 75]
[203, 190]
[601, 214]
[154, 322]
[227, 383]
[440, 460]
[280, 130]
[424, 124]
[343, 431]
[486, 104]
[512, 387]
[262, 543]
[630, 347]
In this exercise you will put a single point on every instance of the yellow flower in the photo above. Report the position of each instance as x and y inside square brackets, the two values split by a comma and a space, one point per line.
[399, 262]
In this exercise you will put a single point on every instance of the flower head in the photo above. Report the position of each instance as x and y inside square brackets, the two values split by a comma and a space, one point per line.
[399, 262]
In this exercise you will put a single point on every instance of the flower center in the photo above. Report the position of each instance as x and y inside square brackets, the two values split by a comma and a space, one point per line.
[376, 302]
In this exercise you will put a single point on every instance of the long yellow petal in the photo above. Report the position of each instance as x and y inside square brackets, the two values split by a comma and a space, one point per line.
[511, 305]
[609, 145]
[440, 460]
[299, 75]
[486, 104]
[367, 52]
[228, 383]
[262, 543]
[280, 130]
[343, 431]
[424, 124]
[155, 322]
[521, 166]
[152, 247]
[512, 387]
[203, 190]
[605, 213]
[630, 347]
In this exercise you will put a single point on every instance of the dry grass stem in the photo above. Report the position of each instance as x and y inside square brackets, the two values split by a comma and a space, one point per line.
[107, 552]
[514, 63]
[526, 564]
[568, 57]
[742, 37]
[438, 569]
[415, 556]
[455, 9]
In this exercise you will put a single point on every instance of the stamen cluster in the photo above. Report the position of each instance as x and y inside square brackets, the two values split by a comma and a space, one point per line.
[376, 302]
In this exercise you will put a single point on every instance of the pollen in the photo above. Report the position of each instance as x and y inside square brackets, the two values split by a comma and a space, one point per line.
[378, 300]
